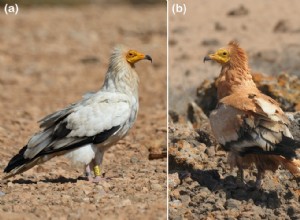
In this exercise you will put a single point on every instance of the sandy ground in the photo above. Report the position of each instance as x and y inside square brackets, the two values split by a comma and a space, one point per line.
[49, 57]
[269, 31]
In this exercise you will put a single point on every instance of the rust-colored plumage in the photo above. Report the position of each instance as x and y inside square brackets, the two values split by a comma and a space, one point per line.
[249, 124]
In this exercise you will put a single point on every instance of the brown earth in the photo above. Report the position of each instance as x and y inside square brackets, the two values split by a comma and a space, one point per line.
[50, 57]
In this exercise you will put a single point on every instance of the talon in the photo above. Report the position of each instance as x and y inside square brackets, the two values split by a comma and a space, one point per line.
[259, 180]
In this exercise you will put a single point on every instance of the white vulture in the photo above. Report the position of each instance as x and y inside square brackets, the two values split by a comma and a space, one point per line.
[84, 130]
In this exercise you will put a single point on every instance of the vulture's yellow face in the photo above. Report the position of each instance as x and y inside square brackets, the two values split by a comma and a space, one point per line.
[133, 56]
[221, 56]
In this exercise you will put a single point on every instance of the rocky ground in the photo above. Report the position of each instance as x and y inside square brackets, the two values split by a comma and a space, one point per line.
[51, 56]
[201, 184]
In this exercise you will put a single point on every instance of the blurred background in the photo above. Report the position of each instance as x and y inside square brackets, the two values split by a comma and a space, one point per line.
[53, 52]
[81, 2]
[268, 31]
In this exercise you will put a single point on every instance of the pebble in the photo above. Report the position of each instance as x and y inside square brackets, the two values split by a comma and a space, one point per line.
[126, 202]
[210, 151]
[218, 205]
[232, 204]
[175, 204]
[175, 193]
[173, 180]
[134, 160]
[210, 42]
[185, 199]
[156, 187]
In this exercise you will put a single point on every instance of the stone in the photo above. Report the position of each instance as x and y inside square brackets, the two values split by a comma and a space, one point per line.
[232, 204]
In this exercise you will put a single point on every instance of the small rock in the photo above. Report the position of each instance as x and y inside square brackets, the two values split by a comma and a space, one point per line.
[210, 151]
[172, 42]
[232, 204]
[188, 180]
[126, 202]
[185, 199]
[240, 11]
[175, 204]
[207, 206]
[90, 60]
[258, 210]
[173, 180]
[281, 26]
[77, 199]
[145, 190]
[65, 198]
[211, 199]
[175, 193]
[193, 185]
[219, 27]
[210, 42]
[86, 199]
[156, 187]
[97, 197]
[218, 205]
[134, 160]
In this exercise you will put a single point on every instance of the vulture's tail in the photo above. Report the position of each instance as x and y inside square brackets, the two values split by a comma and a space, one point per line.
[291, 165]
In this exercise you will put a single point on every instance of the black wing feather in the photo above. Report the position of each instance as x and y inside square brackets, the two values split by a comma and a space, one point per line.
[286, 147]
[19, 159]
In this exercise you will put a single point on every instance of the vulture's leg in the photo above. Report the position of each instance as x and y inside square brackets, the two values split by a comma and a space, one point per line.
[240, 177]
[259, 179]
[97, 166]
[88, 171]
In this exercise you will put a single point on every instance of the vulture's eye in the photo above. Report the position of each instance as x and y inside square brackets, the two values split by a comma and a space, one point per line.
[224, 53]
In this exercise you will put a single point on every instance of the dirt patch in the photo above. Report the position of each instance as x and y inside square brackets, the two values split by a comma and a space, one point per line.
[51, 56]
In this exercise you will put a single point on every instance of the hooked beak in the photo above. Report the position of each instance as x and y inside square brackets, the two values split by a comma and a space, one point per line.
[207, 58]
[147, 57]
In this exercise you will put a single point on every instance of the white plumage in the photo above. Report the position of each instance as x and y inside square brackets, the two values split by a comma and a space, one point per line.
[83, 155]
[86, 129]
